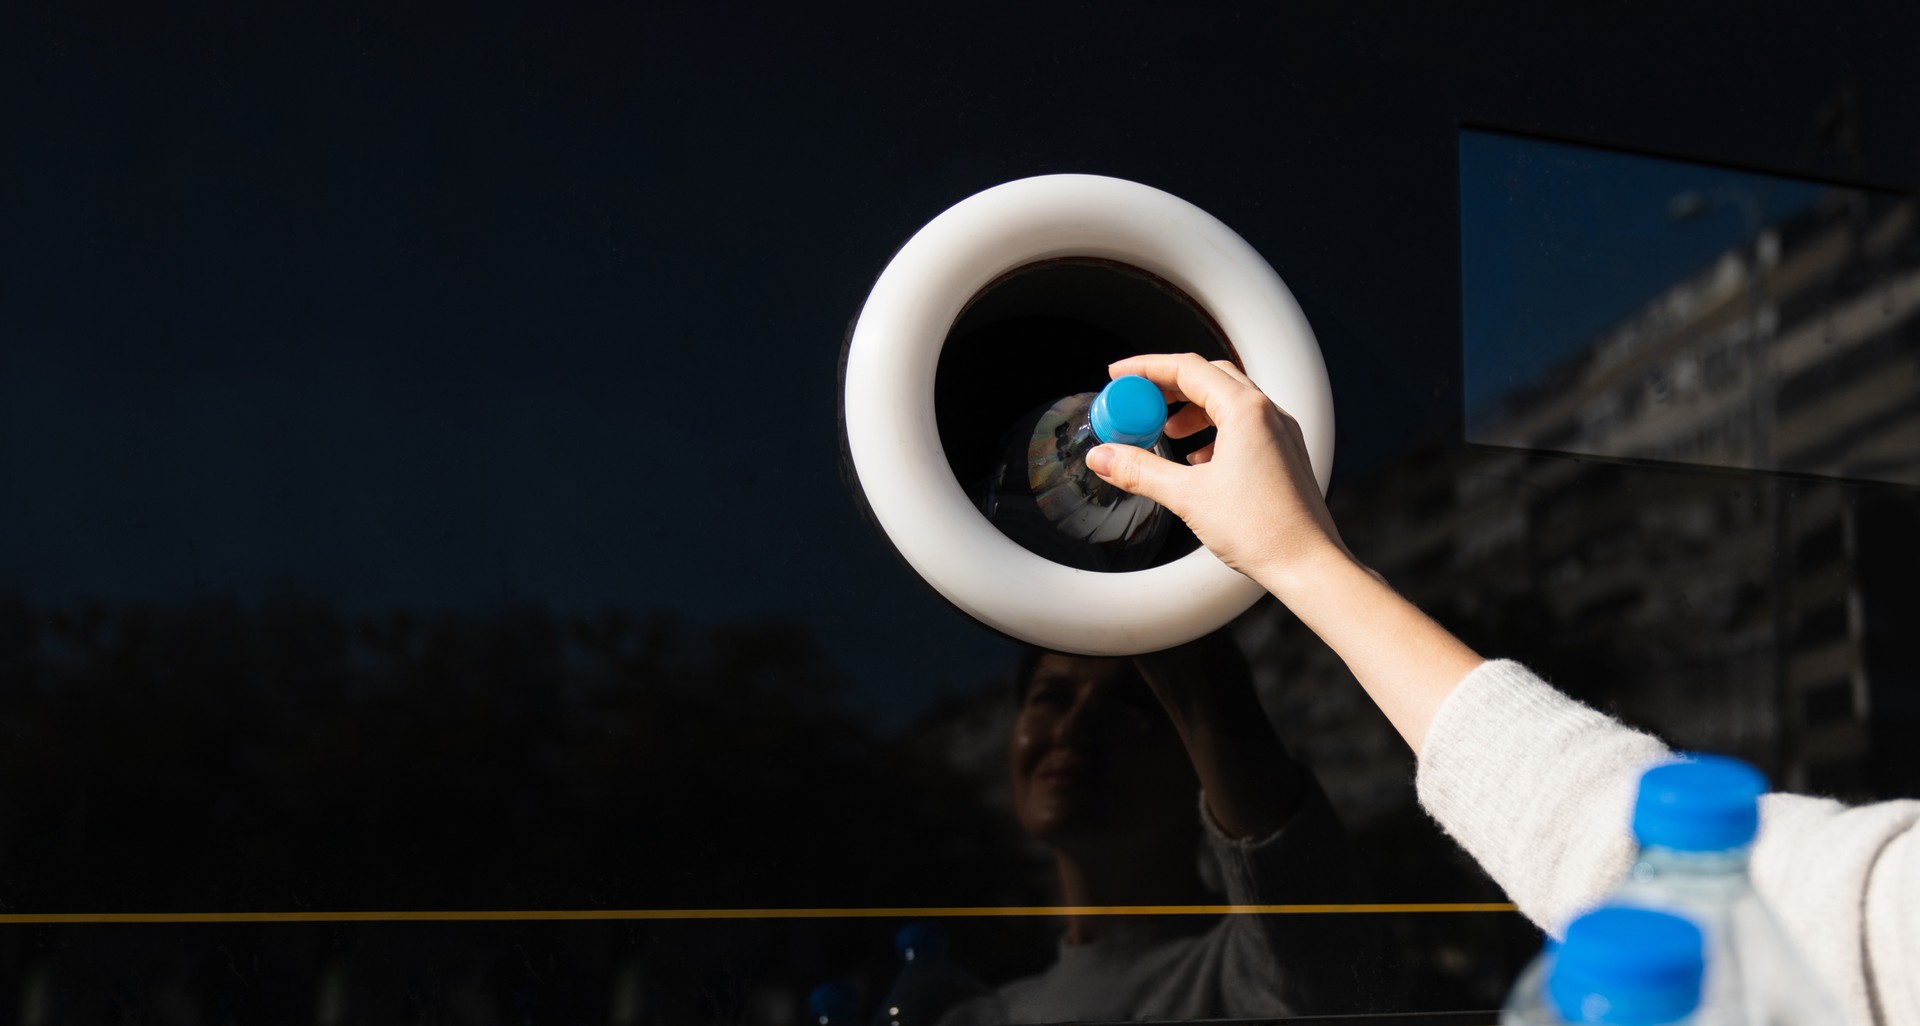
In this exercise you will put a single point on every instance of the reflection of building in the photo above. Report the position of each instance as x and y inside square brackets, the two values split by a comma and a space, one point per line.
[1729, 612]
[1794, 352]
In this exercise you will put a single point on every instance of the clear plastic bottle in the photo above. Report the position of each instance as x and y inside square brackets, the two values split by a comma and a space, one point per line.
[1696, 821]
[1043, 496]
[931, 986]
[834, 1003]
[1619, 966]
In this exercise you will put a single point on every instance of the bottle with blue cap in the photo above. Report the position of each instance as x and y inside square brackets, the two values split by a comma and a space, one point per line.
[1619, 966]
[1696, 821]
[931, 987]
[834, 1003]
[1042, 495]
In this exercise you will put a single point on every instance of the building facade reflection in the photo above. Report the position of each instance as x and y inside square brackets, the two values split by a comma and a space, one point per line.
[1692, 516]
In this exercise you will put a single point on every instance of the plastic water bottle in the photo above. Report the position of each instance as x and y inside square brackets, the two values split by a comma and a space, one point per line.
[930, 985]
[1619, 966]
[1695, 821]
[1043, 496]
[834, 1003]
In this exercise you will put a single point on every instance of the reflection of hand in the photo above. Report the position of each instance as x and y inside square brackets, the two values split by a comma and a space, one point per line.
[1253, 785]
[1250, 495]
[1251, 498]
[1198, 676]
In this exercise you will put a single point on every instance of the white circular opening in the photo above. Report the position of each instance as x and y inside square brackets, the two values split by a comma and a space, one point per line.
[893, 439]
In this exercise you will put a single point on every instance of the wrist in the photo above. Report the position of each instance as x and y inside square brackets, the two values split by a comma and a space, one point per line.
[1202, 682]
[1296, 580]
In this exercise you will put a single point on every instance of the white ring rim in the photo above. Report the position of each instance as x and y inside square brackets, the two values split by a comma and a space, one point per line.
[893, 441]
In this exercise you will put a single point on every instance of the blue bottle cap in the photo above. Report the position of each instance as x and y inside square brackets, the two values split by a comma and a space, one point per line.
[1130, 411]
[918, 941]
[1707, 803]
[1627, 967]
[834, 1002]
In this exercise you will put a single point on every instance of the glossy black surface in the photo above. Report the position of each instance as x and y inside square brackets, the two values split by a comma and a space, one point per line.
[419, 484]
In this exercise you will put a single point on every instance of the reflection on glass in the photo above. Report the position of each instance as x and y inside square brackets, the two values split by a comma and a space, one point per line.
[1110, 784]
[1628, 307]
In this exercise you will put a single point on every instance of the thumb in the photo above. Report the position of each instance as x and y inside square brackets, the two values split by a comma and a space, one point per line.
[1133, 469]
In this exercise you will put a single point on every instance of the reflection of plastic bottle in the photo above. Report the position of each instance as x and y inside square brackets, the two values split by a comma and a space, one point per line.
[834, 1003]
[929, 984]
[1043, 496]
[1619, 966]
[1695, 822]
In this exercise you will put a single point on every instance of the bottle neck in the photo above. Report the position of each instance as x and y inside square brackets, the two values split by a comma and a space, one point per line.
[1728, 863]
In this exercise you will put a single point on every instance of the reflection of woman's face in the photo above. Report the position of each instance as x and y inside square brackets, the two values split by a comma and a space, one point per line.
[1095, 759]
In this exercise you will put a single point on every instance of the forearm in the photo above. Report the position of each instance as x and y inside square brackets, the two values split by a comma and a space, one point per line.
[1407, 663]
[1253, 785]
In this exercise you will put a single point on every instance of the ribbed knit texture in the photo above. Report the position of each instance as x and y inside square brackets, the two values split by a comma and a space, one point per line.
[1540, 788]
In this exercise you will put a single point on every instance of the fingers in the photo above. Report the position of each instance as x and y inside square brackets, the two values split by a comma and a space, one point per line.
[1211, 386]
[1204, 454]
[1233, 371]
[1133, 469]
[1190, 420]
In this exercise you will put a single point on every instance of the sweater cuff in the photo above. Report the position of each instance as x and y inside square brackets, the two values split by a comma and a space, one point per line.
[1307, 860]
[1537, 787]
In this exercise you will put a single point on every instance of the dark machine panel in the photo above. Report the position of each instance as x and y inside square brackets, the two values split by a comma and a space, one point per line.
[429, 591]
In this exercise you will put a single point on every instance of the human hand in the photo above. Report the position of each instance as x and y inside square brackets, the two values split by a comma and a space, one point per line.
[1250, 495]
[1208, 671]
[1252, 499]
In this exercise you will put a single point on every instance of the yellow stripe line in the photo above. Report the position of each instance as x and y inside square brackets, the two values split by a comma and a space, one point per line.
[605, 915]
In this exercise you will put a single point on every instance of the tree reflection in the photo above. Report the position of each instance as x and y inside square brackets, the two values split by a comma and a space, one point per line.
[287, 757]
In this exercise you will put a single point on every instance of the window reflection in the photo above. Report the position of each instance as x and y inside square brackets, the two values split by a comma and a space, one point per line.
[1633, 308]
[1107, 759]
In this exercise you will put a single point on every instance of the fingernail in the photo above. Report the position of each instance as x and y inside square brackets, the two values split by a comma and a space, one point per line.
[1100, 460]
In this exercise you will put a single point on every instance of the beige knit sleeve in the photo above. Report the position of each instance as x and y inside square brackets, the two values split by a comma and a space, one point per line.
[1844, 881]
[1537, 787]
[1540, 788]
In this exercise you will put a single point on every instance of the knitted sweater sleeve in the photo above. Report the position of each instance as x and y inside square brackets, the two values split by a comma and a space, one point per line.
[1539, 789]
[1290, 963]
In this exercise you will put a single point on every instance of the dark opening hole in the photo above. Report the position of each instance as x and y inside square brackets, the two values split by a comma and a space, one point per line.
[1048, 330]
